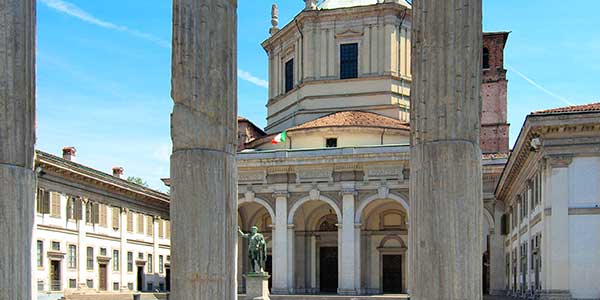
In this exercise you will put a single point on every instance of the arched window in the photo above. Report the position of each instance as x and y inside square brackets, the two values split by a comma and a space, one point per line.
[486, 58]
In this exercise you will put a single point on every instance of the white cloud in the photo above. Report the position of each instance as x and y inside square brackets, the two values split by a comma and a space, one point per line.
[541, 88]
[252, 79]
[76, 12]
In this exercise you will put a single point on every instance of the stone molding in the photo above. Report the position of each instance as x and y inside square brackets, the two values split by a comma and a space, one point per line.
[559, 161]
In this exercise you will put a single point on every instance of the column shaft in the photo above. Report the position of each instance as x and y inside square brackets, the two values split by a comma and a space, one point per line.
[446, 184]
[81, 247]
[17, 139]
[280, 260]
[347, 247]
[204, 135]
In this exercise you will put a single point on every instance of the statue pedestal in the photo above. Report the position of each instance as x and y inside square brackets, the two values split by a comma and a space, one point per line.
[257, 286]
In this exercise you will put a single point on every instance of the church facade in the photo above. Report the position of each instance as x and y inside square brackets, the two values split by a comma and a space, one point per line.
[332, 199]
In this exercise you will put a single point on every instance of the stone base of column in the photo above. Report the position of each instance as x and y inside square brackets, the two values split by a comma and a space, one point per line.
[498, 292]
[347, 292]
[280, 291]
[17, 211]
[257, 286]
[555, 295]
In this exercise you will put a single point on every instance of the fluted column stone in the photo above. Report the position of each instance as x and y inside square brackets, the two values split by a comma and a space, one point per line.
[203, 164]
[446, 187]
[17, 139]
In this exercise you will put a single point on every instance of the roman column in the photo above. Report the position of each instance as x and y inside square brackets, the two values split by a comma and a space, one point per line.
[17, 139]
[203, 163]
[445, 181]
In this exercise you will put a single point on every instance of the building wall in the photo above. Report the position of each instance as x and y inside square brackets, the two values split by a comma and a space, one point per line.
[313, 42]
[104, 235]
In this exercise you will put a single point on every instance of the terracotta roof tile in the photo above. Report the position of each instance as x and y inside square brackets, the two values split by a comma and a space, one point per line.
[354, 119]
[592, 107]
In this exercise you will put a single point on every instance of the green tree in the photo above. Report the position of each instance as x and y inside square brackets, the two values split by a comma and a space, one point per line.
[137, 180]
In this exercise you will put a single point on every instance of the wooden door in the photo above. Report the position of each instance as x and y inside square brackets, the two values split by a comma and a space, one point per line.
[55, 284]
[102, 278]
[392, 274]
[328, 273]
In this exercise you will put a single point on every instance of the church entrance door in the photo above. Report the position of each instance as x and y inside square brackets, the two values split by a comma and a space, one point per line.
[328, 270]
[392, 274]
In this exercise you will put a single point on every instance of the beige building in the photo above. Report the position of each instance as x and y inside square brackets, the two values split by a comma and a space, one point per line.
[550, 191]
[333, 198]
[96, 232]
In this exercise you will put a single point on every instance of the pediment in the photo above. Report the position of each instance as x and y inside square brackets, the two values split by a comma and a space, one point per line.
[349, 33]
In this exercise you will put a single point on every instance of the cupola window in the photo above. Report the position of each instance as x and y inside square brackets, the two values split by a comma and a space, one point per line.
[348, 61]
[289, 75]
[331, 142]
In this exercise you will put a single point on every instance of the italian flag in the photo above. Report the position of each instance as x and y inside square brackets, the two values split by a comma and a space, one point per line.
[280, 138]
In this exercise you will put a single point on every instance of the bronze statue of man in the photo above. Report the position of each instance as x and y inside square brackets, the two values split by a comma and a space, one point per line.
[257, 249]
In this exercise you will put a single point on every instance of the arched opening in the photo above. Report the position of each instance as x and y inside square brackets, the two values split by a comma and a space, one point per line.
[486, 58]
[315, 248]
[384, 245]
[253, 214]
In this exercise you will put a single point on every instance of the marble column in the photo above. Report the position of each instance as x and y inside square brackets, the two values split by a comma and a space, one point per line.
[347, 247]
[280, 241]
[446, 206]
[17, 140]
[203, 163]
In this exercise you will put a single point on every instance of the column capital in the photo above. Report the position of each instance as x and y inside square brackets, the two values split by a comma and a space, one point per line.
[291, 226]
[124, 210]
[559, 161]
[348, 192]
[281, 194]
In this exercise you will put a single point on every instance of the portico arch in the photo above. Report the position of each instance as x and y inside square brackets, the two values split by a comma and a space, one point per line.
[299, 203]
[363, 204]
[260, 201]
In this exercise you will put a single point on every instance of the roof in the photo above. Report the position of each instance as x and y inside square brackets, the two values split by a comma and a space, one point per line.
[592, 107]
[353, 119]
[100, 177]
[333, 4]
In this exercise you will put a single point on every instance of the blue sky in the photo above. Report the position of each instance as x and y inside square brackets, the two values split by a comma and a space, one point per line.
[104, 71]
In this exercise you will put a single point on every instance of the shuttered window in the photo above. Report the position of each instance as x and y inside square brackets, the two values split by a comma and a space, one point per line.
[168, 229]
[140, 223]
[129, 221]
[103, 215]
[74, 208]
[54, 204]
[116, 217]
[161, 229]
[43, 202]
[149, 226]
[93, 213]
[348, 61]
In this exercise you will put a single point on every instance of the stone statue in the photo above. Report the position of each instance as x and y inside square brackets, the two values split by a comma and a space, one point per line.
[257, 250]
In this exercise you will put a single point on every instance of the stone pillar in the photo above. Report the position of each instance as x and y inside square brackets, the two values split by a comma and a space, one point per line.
[280, 260]
[291, 238]
[357, 258]
[446, 206]
[203, 163]
[556, 230]
[347, 246]
[155, 241]
[123, 251]
[17, 139]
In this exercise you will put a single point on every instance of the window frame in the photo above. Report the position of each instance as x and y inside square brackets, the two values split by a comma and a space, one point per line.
[286, 88]
[341, 44]
[72, 256]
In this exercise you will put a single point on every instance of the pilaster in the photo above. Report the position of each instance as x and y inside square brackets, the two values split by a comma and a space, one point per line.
[123, 251]
[557, 267]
